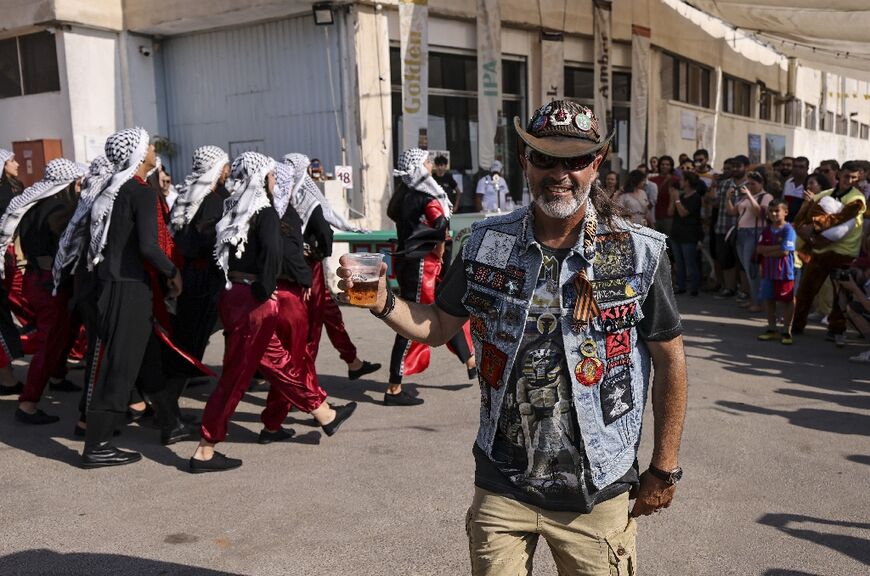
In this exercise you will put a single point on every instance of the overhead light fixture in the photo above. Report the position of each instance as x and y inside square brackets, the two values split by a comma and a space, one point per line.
[323, 15]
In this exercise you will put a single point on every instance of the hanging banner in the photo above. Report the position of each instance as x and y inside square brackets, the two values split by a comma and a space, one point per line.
[414, 50]
[488, 79]
[552, 66]
[602, 39]
[640, 65]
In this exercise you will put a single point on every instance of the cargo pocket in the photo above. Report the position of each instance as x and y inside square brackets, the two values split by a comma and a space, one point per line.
[622, 550]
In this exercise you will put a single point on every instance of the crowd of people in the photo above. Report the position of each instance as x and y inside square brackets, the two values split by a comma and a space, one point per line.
[778, 239]
[114, 265]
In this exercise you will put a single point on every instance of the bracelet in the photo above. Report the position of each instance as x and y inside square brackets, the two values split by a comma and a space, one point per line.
[388, 307]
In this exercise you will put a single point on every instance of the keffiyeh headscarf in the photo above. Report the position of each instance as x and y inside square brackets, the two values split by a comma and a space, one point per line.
[306, 196]
[285, 181]
[247, 188]
[126, 150]
[5, 156]
[416, 177]
[59, 174]
[72, 241]
[208, 164]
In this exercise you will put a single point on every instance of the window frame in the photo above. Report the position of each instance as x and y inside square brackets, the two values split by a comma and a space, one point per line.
[25, 81]
[732, 101]
[700, 93]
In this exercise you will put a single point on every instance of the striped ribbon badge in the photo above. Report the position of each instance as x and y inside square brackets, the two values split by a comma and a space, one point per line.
[586, 308]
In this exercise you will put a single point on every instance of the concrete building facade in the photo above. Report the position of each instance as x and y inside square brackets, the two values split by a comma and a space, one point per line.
[260, 75]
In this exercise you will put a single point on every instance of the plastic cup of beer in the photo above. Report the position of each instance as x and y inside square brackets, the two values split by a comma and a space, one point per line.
[365, 273]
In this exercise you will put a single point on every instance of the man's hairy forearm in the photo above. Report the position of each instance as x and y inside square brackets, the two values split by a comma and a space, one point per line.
[424, 323]
[669, 394]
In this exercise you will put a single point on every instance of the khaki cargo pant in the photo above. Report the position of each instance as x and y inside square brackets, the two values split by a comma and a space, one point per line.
[503, 534]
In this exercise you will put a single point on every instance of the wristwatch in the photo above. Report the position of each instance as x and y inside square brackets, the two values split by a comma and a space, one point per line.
[671, 477]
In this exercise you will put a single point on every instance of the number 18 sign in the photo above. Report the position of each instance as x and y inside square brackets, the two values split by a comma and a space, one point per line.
[344, 174]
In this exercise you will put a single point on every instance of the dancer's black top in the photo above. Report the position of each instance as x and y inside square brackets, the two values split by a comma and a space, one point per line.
[196, 240]
[318, 235]
[263, 253]
[420, 222]
[293, 265]
[43, 225]
[132, 237]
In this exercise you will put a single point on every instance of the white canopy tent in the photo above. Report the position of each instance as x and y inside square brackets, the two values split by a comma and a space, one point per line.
[831, 35]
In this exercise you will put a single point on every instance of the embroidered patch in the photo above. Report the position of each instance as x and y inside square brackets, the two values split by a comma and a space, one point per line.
[589, 371]
[616, 289]
[478, 326]
[495, 249]
[569, 296]
[506, 336]
[583, 122]
[616, 397]
[479, 301]
[618, 362]
[508, 280]
[492, 365]
[614, 255]
[540, 123]
[618, 344]
[546, 324]
[616, 318]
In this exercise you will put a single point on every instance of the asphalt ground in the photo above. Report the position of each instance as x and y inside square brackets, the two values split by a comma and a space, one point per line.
[775, 452]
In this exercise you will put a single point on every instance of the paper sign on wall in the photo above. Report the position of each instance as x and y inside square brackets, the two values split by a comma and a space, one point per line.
[344, 174]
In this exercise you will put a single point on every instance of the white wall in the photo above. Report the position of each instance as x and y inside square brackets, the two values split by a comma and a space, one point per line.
[94, 100]
[143, 92]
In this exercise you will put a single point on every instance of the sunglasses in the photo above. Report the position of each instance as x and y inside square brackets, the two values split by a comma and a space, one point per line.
[547, 162]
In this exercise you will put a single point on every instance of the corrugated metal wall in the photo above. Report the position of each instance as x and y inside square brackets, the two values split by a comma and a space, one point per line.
[262, 87]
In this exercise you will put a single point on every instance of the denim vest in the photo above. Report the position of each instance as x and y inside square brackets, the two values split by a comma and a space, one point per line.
[502, 264]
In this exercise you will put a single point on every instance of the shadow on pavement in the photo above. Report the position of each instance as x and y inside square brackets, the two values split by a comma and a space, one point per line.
[49, 563]
[781, 572]
[812, 418]
[859, 458]
[852, 546]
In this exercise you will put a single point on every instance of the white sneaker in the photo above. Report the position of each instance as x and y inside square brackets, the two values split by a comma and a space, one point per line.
[824, 320]
[862, 358]
[815, 316]
[839, 340]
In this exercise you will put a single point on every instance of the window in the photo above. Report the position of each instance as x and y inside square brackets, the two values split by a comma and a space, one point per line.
[685, 81]
[827, 122]
[736, 96]
[793, 116]
[865, 132]
[579, 83]
[28, 65]
[853, 128]
[842, 125]
[810, 117]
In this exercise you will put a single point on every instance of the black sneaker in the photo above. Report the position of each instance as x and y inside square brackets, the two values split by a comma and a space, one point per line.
[472, 373]
[401, 399]
[63, 386]
[366, 368]
[217, 463]
[267, 437]
[38, 418]
[15, 390]
[342, 413]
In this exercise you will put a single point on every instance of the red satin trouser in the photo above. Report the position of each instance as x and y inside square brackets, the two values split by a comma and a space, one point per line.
[250, 343]
[292, 333]
[324, 312]
[50, 342]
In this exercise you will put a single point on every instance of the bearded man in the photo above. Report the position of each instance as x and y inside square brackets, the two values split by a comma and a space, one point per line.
[570, 307]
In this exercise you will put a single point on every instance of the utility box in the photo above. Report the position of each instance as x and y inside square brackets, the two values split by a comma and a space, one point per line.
[32, 157]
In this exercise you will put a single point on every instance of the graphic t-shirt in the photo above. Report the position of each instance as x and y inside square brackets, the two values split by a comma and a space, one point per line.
[537, 454]
[778, 267]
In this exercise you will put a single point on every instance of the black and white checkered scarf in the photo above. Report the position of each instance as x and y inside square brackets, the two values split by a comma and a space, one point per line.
[247, 188]
[73, 241]
[416, 177]
[305, 196]
[5, 156]
[59, 174]
[285, 180]
[208, 164]
[126, 150]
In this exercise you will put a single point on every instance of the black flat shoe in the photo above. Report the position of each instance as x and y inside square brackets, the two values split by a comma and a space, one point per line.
[64, 386]
[472, 373]
[104, 454]
[38, 418]
[12, 390]
[81, 432]
[342, 413]
[366, 368]
[217, 463]
[267, 437]
[133, 415]
[401, 399]
[180, 433]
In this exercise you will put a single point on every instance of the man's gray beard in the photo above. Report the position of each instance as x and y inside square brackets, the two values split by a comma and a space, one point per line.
[564, 207]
